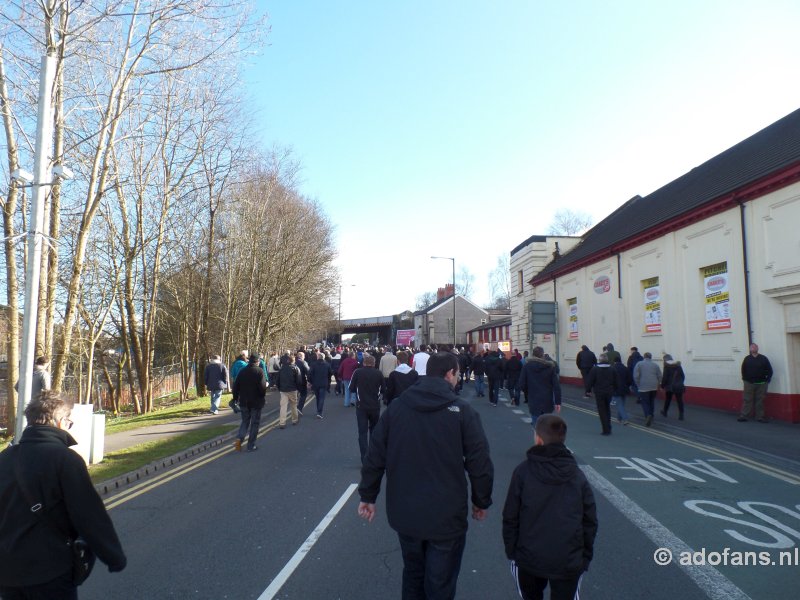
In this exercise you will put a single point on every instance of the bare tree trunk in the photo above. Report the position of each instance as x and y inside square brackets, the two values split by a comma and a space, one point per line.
[9, 232]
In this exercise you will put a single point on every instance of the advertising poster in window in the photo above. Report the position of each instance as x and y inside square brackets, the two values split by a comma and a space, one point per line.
[715, 284]
[651, 292]
[572, 305]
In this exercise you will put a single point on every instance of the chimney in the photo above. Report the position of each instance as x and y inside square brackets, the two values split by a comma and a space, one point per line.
[448, 290]
[439, 294]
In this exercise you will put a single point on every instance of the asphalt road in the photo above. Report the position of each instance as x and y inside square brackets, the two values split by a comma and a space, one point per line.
[282, 523]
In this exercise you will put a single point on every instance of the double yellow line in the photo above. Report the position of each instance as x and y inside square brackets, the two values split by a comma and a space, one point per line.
[138, 489]
[742, 460]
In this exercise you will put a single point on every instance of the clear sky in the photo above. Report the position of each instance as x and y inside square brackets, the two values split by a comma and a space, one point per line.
[457, 127]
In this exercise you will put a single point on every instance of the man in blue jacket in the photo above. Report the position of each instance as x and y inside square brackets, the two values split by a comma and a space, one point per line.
[424, 441]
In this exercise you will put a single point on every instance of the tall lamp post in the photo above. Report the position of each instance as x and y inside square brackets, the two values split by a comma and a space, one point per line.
[40, 180]
[453, 260]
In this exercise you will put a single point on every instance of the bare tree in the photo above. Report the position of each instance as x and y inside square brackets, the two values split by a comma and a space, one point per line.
[465, 282]
[425, 299]
[500, 282]
[569, 222]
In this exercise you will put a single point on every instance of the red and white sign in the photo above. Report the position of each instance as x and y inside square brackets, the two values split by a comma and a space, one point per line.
[602, 285]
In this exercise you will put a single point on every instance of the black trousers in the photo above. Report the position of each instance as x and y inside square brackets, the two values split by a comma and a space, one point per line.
[603, 402]
[367, 420]
[430, 568]
[60, 588]
[531, 587]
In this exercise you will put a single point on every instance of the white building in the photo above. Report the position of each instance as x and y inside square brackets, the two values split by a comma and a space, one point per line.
[527, 259]
[698, 269]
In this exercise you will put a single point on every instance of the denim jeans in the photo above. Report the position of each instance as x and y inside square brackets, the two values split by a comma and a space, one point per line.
[622, 414]
[346, 384]
[479, 384]
[216, 396]
[366, 419]
[251, 419]
[320, 394]
[646, 399]
[302, 394]
[494, 390]
[430, 568]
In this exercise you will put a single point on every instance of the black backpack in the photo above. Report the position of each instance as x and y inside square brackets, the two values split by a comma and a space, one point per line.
[677, 386]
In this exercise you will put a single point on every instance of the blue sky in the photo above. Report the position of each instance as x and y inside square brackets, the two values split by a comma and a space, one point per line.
[459, 128]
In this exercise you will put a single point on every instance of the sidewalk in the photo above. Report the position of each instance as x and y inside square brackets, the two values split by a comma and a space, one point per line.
[776, 442]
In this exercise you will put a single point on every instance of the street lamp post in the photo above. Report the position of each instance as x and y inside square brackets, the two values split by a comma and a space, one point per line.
[453, 260]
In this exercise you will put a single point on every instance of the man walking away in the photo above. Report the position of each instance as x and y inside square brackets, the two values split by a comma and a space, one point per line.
[288, 384]
[367, 383]
[302, 390]
[274, 366]
[216, 380]
[320, 376]
[624, 382]
[478, 369]
[585, 360]
[387, 364]
[646, 378]
[40, 380]
[756, 375]
[603, 381]
[420, 361]
[346, 370]
[495, 366]
[400, 379]
[239, 364]
[549, 518]
[250, 392]
[513, 371]
[424, 442]
[41, 470]
[539, 380]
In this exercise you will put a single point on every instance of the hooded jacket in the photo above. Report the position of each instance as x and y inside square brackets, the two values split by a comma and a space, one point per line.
[250, 387]
[237, 367]
[539, 380]
[425, 440]
[35, 551]
[603, 379]
[549, 518]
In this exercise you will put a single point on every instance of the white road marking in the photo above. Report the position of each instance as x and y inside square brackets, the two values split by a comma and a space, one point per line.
[713, 583]
[294, 562]
[517, 411]
[527, 420]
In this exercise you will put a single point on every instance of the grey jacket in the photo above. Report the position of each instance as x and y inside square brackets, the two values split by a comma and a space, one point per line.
[647, 375]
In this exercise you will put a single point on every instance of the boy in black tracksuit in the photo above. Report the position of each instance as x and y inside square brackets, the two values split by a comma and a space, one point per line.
[549, 518]
[368, 384]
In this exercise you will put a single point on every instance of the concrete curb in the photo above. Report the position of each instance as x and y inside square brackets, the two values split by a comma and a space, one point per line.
[104, 488]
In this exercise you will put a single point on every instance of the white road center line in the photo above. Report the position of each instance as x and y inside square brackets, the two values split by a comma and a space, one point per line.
[298, 557]
[713, 583]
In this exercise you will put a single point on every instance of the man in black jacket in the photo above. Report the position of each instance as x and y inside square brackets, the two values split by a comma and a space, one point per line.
[424, 442]
[549, 518]
[585, 360]
[35, 558]
[756, 375]
[250, 390]
[368, 384]
[603, 381]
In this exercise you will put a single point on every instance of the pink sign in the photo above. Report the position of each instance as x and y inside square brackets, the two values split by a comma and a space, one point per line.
[404, 337]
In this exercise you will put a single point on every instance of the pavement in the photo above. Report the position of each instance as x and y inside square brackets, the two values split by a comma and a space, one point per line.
[776, 442]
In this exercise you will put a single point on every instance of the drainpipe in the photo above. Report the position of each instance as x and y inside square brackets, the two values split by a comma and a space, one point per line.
[746, 275]
[558, 334]
[619, 275]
